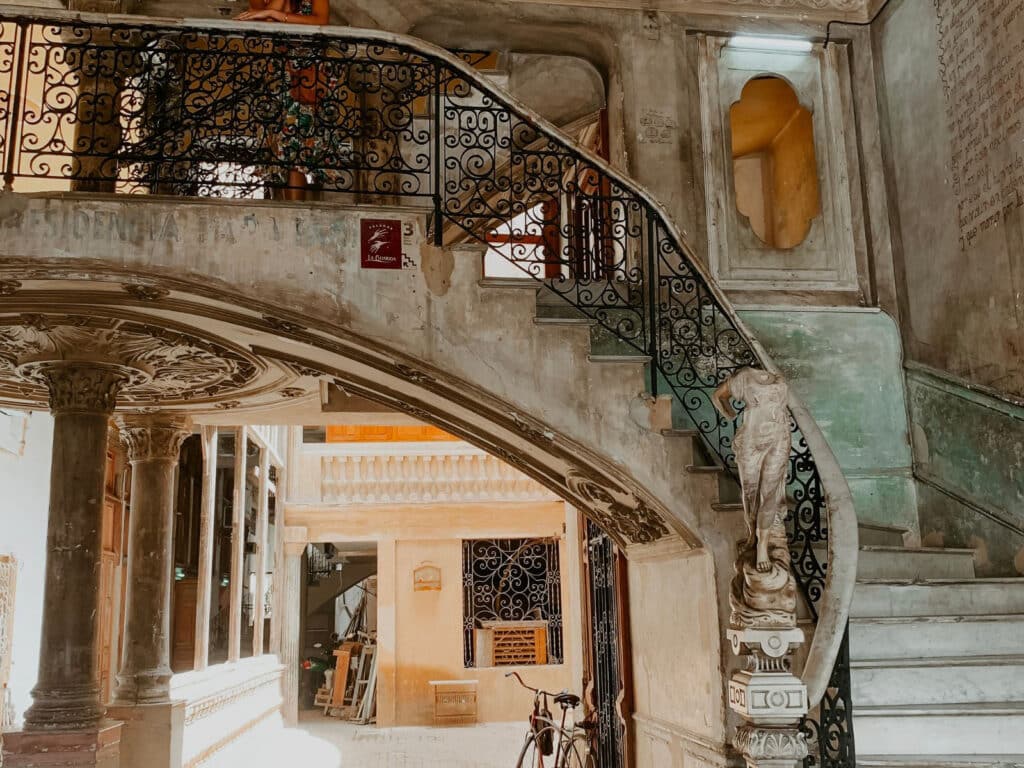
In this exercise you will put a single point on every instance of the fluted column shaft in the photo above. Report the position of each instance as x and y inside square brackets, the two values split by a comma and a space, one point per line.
[153, 444]
[291, 629]
[82, 398]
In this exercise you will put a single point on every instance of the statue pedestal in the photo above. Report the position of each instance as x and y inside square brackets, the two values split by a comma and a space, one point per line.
[769, 696]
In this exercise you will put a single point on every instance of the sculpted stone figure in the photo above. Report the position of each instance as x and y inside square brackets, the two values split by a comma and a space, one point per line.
[764, 590]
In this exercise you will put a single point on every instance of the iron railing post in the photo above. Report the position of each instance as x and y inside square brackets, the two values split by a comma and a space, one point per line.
[438, 164]
[14, 118]
[652, 302]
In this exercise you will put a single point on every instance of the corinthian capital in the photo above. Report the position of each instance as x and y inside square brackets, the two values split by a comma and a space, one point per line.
[83, 387]
[153, 437]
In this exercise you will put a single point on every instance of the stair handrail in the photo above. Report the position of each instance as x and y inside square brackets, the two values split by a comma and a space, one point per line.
[837, 589]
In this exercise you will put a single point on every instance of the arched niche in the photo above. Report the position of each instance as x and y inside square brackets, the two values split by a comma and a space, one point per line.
[774, 163]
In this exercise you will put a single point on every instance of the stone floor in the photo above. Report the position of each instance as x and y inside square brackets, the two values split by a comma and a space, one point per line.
[320, 742]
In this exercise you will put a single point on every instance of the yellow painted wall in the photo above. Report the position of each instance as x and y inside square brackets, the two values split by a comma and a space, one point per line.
[420, 633]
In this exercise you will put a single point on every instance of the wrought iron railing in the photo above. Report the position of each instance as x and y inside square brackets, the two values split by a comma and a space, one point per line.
[121, 104]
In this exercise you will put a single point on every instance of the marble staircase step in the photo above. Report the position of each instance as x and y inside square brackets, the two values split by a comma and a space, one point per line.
[940, 761]
[938, 680]
[876, 535]
[918, 563]
[937, 597]
[911, 637]
[940, 729]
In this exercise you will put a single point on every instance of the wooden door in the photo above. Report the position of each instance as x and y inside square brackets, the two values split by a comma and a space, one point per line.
[183, 643]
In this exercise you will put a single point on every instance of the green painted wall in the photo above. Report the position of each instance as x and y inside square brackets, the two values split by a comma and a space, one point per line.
[846, 365]
[969, 455]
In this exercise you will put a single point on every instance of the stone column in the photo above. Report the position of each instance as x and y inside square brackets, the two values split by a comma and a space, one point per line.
[259, 606]
[291, 634]
[237, 546]
[82, 399]
[153, 444]
[206, 536]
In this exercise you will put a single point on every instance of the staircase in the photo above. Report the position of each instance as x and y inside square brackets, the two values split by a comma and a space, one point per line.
[936, 657]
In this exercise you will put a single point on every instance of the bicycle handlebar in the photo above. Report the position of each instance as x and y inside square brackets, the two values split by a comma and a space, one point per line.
[537, 691]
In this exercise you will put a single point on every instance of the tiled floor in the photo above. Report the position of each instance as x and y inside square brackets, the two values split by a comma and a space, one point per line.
[321, 742]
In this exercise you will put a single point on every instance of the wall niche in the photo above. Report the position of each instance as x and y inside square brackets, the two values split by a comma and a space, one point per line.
[776, 173]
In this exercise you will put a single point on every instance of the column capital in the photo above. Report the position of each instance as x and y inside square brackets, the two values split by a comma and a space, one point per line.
[84, 387]
[153, 436]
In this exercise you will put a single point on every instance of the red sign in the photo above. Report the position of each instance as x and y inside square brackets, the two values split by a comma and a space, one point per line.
[380, 243]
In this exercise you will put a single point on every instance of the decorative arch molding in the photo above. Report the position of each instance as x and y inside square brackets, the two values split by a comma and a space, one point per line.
[303, 356]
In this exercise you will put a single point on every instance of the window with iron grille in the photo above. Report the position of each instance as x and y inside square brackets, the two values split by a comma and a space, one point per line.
[512, 601]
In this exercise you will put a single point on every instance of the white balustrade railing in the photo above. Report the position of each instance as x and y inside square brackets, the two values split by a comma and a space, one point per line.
[450, 472]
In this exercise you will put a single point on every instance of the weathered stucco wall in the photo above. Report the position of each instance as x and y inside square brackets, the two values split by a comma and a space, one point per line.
[677, 698]
[969, 454]
[960, 236]
[846, 365]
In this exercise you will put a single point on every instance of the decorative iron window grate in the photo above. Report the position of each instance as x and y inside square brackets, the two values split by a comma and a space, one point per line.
[509, 580]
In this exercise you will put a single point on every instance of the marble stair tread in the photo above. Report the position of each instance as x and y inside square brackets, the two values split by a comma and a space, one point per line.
[585, 321]
[940, 761]
[901, 637]
[876, 534]
[940, 729]
[936, 597]
[876, 562]
[510, 282]
[938, 680]
[620, 359]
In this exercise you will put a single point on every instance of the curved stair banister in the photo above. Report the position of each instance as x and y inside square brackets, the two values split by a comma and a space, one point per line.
[204, 108]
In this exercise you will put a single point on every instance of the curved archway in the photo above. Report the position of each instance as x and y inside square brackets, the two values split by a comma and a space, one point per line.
[293, 357]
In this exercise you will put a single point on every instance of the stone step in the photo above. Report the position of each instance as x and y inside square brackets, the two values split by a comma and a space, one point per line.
[911, 563]
[937, 597]
[510, 282]
[940, 729]
[620, 359]
[938, 680]
[584, 321]
[913, 637]
[940, 761]
[876, 535]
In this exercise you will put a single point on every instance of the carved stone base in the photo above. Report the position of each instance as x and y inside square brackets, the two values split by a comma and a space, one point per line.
[761, 747]
[97, 747]
[772, 698]
[152, 734]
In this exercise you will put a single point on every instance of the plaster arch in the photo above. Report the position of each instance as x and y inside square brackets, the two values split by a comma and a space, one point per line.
[293, 359]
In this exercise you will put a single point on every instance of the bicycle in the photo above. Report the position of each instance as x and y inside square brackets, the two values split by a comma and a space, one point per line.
[567, 747]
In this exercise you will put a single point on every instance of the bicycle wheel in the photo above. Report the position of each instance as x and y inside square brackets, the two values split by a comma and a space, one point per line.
[532, 755]
[579, 755]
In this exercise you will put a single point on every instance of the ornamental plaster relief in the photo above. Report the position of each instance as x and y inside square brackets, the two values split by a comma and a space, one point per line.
[126, 360]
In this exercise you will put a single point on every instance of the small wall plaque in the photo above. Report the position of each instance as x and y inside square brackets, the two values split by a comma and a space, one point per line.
[426, 578]
[380, 244]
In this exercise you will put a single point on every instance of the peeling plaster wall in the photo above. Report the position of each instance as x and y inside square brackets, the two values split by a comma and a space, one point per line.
[969, 454]
[25, 479]
[962, 296]
[676, 658]
[964, 303]
[846, 366]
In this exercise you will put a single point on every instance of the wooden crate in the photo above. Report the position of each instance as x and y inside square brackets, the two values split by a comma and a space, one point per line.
[454, 701]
